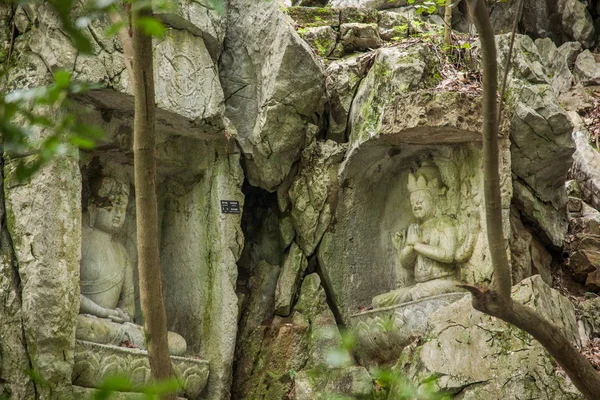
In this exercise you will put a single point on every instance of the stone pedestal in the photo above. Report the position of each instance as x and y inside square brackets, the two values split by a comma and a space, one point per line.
[96, 362]
[382, 333]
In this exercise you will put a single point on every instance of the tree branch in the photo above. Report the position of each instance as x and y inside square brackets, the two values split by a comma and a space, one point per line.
[496, 300]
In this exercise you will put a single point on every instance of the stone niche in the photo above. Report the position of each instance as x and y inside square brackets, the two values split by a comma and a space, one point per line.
[383, 181]
[199, 247]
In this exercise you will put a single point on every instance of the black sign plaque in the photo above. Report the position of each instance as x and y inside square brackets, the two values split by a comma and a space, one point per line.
[230, 207]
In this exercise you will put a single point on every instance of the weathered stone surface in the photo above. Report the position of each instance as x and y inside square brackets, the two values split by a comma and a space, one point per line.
[208, 22]
[199, 250]
[541, 145]
[94, 363]
[315, 16]
[586, 169]
[339, 383]
[13, 352]
[189, 96]
[289, 280]
[283, 350]
[552, 222]
[584, 263]
[520, 367]
[393, 24]
[558, 62]
[286, 231]
[274, 88]
[587, 69]
[343, 78]
[325, 341]
[360, 15]
[382, 333]
[356, 36]
[187, 81]
[314, 192]
[376, 4]
[88, 393]
[590, 317]
[47, 249]
[559, 20]
[520, 248]
[321, 39]
[577, 22]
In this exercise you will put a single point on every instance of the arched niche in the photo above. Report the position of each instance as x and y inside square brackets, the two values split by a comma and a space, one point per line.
[357, 255]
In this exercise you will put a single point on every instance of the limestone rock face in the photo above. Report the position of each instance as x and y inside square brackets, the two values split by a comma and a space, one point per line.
[343, 78]
[586, 68]
[560, 20]
[377, 4]
[287, 284]
[314, 192]
[509, 362]
[322, 39]
[352, 382]
[209, 23]
[540, 134]
[355, 36]
[198, 240]
[187, 81]
[586, 169]
[577, 22]
[274, 88]
[48, 266]
[13, 351]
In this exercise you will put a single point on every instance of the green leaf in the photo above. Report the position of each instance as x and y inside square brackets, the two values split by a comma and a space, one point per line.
[431, 9]
[465, 46]
[82, 142]
[113, 29]
[151, 26]
[411, 1]
[62, 78]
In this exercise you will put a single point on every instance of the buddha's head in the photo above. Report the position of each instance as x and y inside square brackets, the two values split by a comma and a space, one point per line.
[425, 187]
[108, 204]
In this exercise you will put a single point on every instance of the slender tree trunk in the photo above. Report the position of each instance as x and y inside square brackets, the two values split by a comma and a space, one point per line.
[496, 300]
[153, 308]
[448, 23]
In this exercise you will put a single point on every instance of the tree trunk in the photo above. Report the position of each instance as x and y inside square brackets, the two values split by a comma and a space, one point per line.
[153, 308]
[496, 300]
[448, 23]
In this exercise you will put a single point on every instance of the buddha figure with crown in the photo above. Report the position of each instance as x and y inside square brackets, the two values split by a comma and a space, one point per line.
[427, 250]
[107, 302]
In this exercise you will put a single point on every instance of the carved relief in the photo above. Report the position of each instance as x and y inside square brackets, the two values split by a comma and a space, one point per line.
[437, 236]
[96, 362]
[430, 249]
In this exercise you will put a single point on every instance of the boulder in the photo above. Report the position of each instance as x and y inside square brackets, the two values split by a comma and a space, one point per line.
[375, 4]
[321, 39]
[509, 363]
[339, 383]
[358, 36]
[47, 250]
[275, 90]
[587, 69]
[314, 193]
[289, 279]
[209, 23]
[586, 169]
[343, 78]
[308, 17]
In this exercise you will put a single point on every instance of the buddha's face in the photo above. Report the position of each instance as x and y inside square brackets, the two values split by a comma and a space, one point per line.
[110, 218]
[421, 202]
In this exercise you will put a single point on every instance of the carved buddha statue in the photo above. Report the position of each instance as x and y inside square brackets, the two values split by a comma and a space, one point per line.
[427, 251]
[107, 302]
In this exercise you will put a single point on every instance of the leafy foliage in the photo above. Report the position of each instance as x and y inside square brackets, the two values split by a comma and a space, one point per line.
[34, 129]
